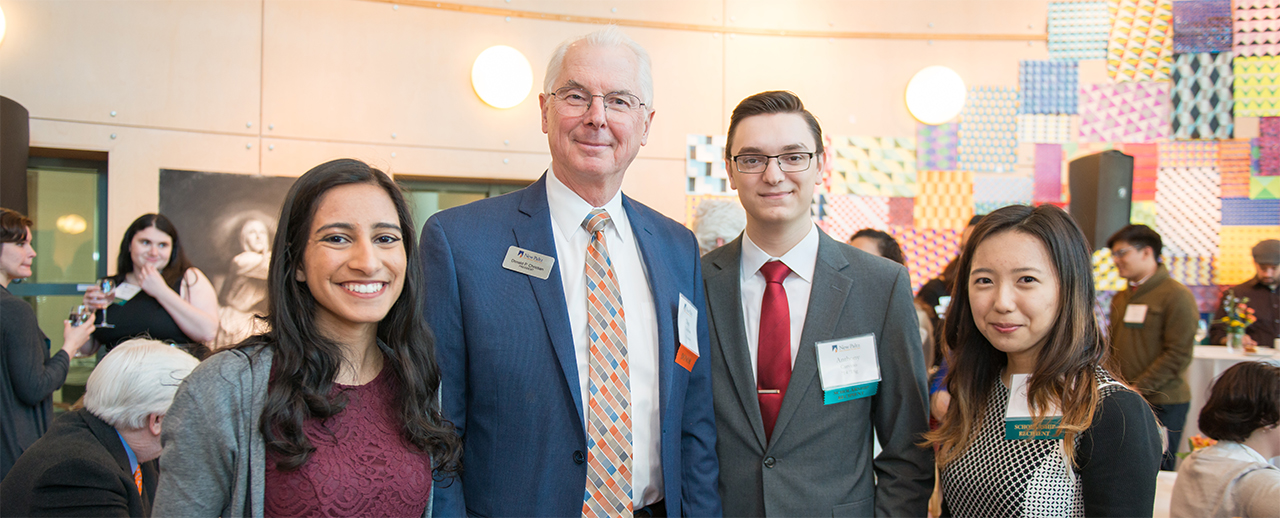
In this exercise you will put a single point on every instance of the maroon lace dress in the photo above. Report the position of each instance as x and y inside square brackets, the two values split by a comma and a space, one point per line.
[361, 466]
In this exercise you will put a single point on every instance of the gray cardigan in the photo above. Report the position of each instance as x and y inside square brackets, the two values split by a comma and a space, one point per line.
[214, 457]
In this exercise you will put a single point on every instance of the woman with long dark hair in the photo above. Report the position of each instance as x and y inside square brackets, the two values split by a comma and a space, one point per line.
[170, 300]
[334, 409]
[1037, 425]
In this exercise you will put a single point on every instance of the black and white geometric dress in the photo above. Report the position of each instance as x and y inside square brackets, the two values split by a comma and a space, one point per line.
[999, 477]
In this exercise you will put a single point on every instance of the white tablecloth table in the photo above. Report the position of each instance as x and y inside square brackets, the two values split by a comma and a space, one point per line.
[1209, 361]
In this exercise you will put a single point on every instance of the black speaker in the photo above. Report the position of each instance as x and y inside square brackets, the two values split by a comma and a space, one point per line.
[1101, 194]
[15, 138]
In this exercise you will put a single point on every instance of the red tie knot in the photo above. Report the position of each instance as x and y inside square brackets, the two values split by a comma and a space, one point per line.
[774, 271]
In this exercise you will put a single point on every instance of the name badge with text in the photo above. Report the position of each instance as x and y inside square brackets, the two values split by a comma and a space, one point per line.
[1018, 423]
[1135, 315]
[848, 368]
[528, 262]
[687, 324]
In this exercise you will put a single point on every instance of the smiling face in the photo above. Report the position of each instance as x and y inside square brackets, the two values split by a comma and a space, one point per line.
[151, 246]
[354, 263]
[774, 199]
[1133, 262]
[1013, 292]
[595, 147]
[15, 260]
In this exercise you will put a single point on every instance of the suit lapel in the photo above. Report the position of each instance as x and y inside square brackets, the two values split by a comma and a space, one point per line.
[827, 297]
[724, 300]
[534, 233]
[665, 302]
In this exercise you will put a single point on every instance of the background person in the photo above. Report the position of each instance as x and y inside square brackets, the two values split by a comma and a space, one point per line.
[1264, 298]
[28, 374]
[176, 303]
[1153, 330]
[333, 411]
[1023, 306]
[96, 461]
[1232, 477]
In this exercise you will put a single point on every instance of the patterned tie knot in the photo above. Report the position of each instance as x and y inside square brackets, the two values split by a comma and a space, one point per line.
[774, 271]
[595, 221]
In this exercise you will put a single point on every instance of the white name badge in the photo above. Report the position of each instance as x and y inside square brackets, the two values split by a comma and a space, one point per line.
[528, 262]
[125, 291]
[848, 368]
[687, 321]
[1018, 422]
[1135, 314]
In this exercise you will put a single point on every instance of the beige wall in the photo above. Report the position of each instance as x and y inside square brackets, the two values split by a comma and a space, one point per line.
[274, 87]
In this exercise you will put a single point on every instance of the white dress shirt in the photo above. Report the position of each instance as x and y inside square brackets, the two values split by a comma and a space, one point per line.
[567, 212]
[801, 259]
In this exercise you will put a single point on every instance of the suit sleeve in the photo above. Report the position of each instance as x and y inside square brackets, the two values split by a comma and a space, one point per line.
[701, 477]
[1177, 343]
[198, 460]
[1120, 457]
[79, 487]
[442, 309]
[904, 471]
[34, 374]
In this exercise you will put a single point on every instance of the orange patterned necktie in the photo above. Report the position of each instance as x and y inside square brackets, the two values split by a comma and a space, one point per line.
[608, 491]
[137, 479]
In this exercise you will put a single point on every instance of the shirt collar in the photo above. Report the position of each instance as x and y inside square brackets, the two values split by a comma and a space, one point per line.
[133, 457]
[568, 210]
[801, 259]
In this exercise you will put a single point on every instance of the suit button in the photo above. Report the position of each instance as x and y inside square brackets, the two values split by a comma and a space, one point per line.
[769, 462]
[579, 457]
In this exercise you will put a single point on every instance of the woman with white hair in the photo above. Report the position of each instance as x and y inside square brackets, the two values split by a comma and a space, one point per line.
[97, 461]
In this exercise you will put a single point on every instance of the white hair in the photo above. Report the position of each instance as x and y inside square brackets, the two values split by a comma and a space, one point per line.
[718, 219]
[609, 36]
[138, 378]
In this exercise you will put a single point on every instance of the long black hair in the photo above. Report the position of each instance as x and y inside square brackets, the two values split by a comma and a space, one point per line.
[305, 362]
[178, 263]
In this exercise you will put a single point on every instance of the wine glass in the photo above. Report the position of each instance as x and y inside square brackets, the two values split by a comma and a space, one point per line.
[79, 315]
[108, 286]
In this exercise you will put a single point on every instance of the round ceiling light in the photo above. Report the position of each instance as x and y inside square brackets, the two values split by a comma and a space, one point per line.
[935, 95]
[501, 76]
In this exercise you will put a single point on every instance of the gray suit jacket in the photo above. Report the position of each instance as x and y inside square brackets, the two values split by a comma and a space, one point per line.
[819, 462]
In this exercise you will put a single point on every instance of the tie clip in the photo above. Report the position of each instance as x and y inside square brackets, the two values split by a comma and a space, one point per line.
[768, 391]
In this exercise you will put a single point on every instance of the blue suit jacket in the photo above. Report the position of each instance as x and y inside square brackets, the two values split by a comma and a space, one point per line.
[510, 376]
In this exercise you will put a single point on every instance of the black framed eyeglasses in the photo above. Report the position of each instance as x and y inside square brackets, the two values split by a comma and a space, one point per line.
[576, 101]
[787, 162]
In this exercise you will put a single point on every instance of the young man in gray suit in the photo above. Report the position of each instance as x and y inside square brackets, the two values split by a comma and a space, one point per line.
[785, 301]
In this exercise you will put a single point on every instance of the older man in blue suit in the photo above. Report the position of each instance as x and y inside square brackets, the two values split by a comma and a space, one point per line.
[570, 319]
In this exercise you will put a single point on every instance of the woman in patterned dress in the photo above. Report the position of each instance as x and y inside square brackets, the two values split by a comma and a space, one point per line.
[1021, 315]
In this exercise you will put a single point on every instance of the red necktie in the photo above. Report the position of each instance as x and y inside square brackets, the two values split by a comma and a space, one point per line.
[773, 362]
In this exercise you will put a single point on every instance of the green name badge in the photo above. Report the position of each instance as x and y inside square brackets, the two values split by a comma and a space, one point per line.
[1022, 429]
[831, 397]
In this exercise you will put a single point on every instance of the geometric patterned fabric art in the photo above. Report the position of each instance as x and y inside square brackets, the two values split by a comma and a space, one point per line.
[1044, 129]
[936, 146]
[1048, 178]
[988, 137]
[1141, 44]
[1255, 28]
[1125, 112]
[1143, 213]
[1048, 87]
[901, 211]
[1235, 263]
[927, 251]
[1202, 103]
[1233, 165]
[1256, 86]
[846, 214]
[1247, 212]
[1188, 154]
[1105, 275]
[874, 166]
[1207, 297]
[704, 165]
[1190, 271]
[1264, 187]
[945, 199]
[1078, 30]
[1188, 211]
[1269, 146]
[1144, 170]
[1005, 189]
[1201, 26]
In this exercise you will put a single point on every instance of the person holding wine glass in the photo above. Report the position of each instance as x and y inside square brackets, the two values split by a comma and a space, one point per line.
[28, 374]
[155, 292]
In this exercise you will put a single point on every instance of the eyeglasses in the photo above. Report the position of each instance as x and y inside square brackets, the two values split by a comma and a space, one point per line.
[787, 162]
[1120, 252]
[576, 101]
